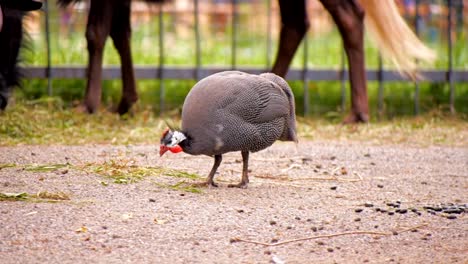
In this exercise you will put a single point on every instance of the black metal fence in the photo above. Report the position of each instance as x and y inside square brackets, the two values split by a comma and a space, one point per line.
[305, 74]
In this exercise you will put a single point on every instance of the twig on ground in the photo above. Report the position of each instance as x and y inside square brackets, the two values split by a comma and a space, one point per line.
[327, 236]
[292, 166]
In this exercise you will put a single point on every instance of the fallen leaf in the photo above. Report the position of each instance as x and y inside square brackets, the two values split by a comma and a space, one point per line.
[21, 195]
[159, 221]
[82, 229]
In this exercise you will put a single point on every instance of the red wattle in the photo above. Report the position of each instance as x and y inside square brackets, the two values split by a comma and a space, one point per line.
[176, 149]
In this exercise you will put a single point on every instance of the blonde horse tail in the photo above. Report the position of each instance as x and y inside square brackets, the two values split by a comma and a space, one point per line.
[394, 38]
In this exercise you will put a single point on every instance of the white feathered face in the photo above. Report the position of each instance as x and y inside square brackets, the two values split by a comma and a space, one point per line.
[170, 141]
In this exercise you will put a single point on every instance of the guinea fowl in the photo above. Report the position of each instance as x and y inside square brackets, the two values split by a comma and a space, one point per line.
[233, 111]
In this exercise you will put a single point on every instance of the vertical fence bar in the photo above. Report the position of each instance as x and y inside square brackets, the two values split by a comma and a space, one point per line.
[343, 79]
[234, 34]
[380, 95]
[450, 58]
[162, 92]
[49, 61]
[416, 82]
[196, 13]
[268, 44]
[305, 82]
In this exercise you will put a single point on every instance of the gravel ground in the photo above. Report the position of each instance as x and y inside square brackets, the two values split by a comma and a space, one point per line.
[307, 191]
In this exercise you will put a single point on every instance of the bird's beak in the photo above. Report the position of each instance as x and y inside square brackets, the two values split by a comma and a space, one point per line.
[162, 150]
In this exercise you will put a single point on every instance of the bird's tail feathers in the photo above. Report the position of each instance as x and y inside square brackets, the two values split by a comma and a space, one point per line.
[290, 134]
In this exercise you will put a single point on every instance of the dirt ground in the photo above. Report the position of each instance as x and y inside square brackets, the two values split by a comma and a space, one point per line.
[376, 204]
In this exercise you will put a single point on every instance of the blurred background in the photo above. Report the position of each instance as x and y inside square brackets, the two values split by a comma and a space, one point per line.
[254, 29]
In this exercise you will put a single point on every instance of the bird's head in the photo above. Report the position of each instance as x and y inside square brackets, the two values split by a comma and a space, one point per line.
[170, 141]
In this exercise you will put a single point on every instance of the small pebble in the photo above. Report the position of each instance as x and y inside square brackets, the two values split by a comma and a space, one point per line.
[380, 185]
[320, 243]
[314, 229]
[368, 205]
[330, 249]
[152, 200]
[391, 213]
[357, 219]
[401, 211]
[358, 210]
[274, 240]
[333, 188]
[297, 218]
[272, 222]
[240, 210]
[454, 211]
[395, 233]
[452, 217]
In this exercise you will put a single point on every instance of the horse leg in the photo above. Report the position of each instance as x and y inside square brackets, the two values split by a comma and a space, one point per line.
[120, 34]
[349, 17]
[97, 30]
[294, 26]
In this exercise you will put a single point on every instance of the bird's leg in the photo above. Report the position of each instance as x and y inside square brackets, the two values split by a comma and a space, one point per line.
[245, 171]
[209, 181]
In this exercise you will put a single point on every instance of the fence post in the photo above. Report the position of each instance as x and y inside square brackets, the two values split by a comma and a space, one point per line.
[343, 79]
[49, 61]
[380, 95]
[234, 34]
[305, 82]
[162, 93]
[196, 14]
[268, 44]
[450, 58]
[416, 82]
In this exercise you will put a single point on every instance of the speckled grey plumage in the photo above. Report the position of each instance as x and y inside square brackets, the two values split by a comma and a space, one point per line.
[237, 111]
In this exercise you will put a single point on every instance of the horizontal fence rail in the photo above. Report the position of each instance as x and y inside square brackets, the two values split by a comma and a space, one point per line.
[193, 73]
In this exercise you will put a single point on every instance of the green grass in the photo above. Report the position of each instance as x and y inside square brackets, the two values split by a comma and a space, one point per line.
[40, 197]
[48, 122]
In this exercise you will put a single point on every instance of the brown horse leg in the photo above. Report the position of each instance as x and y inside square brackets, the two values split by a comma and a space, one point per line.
[349, 17]
[294, 25]
[120, 34]
[97, 30]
